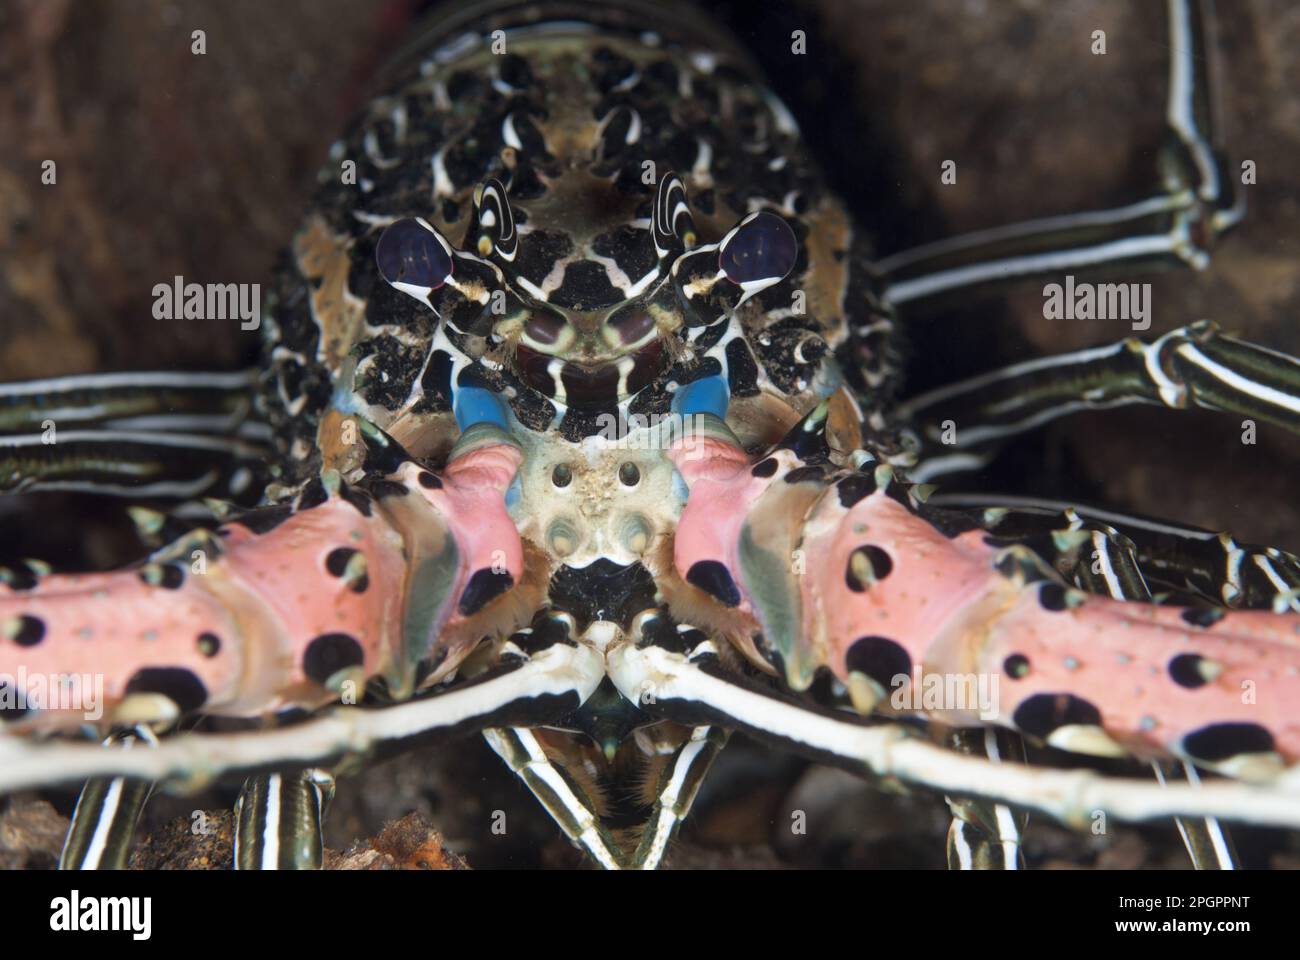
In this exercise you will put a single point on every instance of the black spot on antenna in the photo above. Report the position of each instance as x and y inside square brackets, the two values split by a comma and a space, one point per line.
[714, 579]
[1016, 666]
[173, 576]
[879, 658]
[1220, 741]
[484, 586]
[30, 632]
[337, 561]
[20, 578]
[1044, 712]
[878, 562]
[181, 686]
[170, 576]
[1052, 596]
[1186, 670]
[329, 653]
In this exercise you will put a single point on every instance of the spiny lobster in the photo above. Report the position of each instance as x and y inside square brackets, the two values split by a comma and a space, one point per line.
[582, 390]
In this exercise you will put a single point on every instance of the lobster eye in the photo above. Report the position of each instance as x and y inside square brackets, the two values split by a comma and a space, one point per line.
[759, 252]
[545, 328]
[410, 253]
[629, 327]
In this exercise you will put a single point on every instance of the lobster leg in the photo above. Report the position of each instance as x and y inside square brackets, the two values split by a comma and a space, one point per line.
[563, 799]
[1191, 366]
[171, 401]
[167, 435]
[1207, 840]
[1174, 227]
[279, 819]
[675, 793]
[983, 835]
[129, 463]
[103, 823]
[1196, 563]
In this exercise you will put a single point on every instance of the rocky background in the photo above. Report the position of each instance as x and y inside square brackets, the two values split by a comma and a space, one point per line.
[170, 163]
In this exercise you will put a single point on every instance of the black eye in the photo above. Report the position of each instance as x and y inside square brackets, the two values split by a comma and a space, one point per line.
[763, 248]
[544, 328]
[632, 325]
[561, 476]
[629, 475]
[411, 252]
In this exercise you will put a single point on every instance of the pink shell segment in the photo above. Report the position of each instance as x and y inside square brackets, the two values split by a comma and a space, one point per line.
[267, 621]
[472, 500]
[242, 637]
[1151, 675]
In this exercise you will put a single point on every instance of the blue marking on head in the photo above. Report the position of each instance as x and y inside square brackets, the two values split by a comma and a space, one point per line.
[707, 395]
[473, 405]
[680, 490]
[513, 493]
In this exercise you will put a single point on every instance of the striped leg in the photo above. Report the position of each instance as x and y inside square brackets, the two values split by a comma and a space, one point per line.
[563, 799]
[983, 835]
[149, 434]
[675, 793]
[129, 463]
[1175, 227]
[175, 402]
[1207, 841]
[958, 425]
[279, 819]
[1196, 566]
[103, 824]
